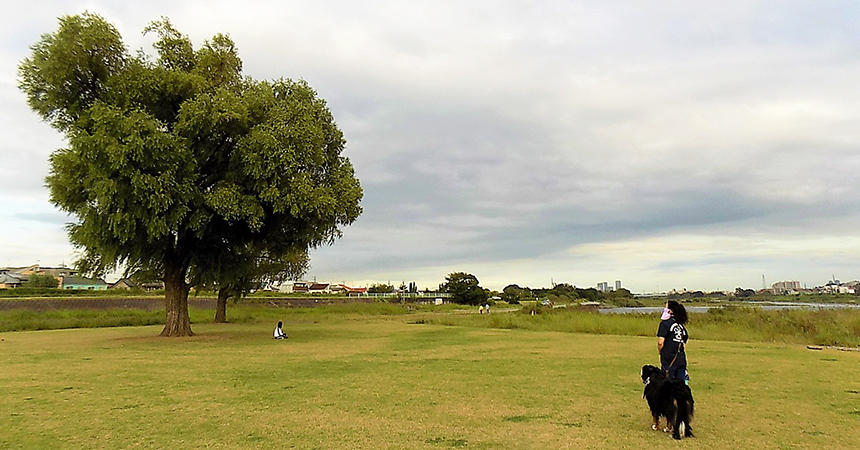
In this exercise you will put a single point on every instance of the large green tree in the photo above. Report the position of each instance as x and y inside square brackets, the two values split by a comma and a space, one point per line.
[177, 162]
[464, 288]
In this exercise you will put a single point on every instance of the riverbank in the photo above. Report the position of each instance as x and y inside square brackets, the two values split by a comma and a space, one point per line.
[839, 327]
[764, 305]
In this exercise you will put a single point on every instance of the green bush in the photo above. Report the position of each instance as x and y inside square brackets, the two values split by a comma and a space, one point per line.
[38, 280]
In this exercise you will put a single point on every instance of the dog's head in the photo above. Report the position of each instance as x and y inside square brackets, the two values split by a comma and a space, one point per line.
[649, 371]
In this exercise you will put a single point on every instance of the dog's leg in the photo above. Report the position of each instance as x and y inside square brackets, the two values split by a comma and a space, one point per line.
[690, 406]
[676, 429]
[676, 421]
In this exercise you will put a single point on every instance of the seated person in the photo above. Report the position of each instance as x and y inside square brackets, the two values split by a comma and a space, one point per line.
[279, 333]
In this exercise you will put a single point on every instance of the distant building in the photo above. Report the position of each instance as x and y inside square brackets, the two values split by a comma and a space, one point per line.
[353, 290]
[55, 272]
[87, 284]
[603, 286]
[319, 288]
[617, 284]
[344, 289]
[834, 286]
[10, 280]
[786, 287]
[23, 273]
[123, 283]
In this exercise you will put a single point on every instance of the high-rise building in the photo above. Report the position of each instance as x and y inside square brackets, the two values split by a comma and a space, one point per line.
[603, 286]
[617, 284]
[785, 287]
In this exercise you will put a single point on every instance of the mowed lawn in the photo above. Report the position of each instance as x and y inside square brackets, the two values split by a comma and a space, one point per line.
[381, 382]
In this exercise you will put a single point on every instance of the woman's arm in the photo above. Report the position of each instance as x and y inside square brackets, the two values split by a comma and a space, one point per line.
[660, 341]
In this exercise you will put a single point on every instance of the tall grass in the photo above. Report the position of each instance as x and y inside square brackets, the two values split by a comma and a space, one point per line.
[817, 326]
[823, 327]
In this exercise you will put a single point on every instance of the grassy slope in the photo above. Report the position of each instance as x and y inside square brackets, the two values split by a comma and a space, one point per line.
[353, 381]
[21, 319]
[822, 327]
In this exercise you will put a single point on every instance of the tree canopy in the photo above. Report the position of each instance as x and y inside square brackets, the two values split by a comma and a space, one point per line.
[381, 288]
[464, 288]
[177, 163]
[513, 293]
[38, 280]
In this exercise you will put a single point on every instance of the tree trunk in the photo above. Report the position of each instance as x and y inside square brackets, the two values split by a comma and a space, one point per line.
[221, 307]
[176, 322]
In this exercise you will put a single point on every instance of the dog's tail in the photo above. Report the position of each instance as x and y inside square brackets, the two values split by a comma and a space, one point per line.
[684, 403]
[688, 399]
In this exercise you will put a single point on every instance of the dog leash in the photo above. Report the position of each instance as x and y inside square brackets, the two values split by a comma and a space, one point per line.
[677, 352]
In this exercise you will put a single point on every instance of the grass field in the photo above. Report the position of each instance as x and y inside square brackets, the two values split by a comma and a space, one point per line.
[353, 380]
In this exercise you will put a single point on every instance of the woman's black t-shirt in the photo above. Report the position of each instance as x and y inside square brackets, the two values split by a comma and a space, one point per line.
[673, 334]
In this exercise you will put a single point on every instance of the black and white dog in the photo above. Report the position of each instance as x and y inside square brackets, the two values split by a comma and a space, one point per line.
[671, 399]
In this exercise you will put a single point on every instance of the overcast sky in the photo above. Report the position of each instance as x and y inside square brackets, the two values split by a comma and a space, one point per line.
[671, 144]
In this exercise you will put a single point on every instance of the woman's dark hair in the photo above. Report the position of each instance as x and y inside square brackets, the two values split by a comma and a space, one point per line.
[678, 312]
[280, 324]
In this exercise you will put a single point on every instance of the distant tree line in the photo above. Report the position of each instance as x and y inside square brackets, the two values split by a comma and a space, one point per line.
[561, 293]
[465, 288]
[696, 294]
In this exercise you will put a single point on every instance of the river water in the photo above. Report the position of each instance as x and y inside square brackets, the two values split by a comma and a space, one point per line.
[757, 304]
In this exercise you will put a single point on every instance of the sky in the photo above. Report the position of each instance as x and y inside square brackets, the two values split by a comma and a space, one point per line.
[666, 144]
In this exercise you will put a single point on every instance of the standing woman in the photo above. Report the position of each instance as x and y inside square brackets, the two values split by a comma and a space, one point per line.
[671, 340]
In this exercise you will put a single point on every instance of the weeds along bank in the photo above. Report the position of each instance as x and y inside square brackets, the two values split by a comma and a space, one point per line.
[802, 326]
[839, 327]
